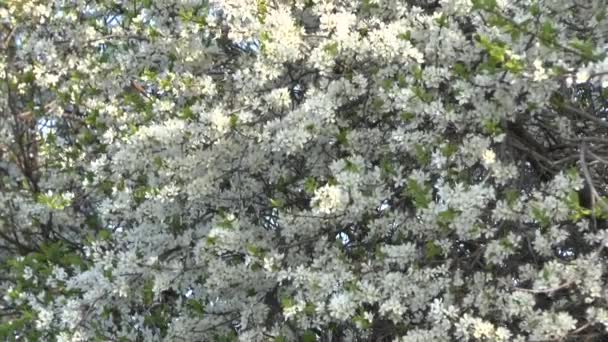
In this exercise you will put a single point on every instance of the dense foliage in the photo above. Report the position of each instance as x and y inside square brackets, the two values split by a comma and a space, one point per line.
[303, 170]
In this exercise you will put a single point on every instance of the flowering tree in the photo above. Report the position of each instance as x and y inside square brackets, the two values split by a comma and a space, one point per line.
[303, 170]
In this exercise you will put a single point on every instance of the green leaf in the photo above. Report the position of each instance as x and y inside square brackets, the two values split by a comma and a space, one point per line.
[309, 336]
[495, 50]
[331, 49]
[461, 70]
[449, 150]
[342, 137]
[487, 5]
[148, 293]
[505, 243]
[417, 72]
[53, 201]
[446, 217]
[401, 81]
[157, 319]
[442, 20]
[196, 307]
[387, 167]
[407, 116]
[387, 84]
[351, 167]
[310, 309]
[377, 103]
[405, 36]
[515, 66]
[541, 217]
[265, 36]
[422, 94]
[187, 114]
[287, 302]
[351, 286]
[276, 203]
[262, 10]
[229, 337]
[362, 321]
[158, 162]
[492, 126]
[255, 251]
[310, 185]
[432, 250]
[535, 10]
[572, 173]
[91, 119]
[585, 47]
[511, 196]
[226, 224]
[547, 34]
[367, 6]
[420, 194]
[422, 154]
[234, 119]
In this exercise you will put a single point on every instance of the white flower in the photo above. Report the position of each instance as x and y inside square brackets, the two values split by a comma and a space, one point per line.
[293, 310]
[44, 77]
[27, 273]
[540, 73]
[401, 254]
[44, 319]
[457, 6]
[393, 94]
[488, 157]
[330, 198]
[482, 329]
[582, 76]
[502, 334]
[68, 196]
[393, 306]
[284, 37]
[279, 98]
[554, 325]
[164, 105]
[271, 263]
[220, 121]
[342, 306]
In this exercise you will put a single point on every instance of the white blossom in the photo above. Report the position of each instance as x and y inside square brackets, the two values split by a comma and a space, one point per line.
[287, 170]
[330, 199]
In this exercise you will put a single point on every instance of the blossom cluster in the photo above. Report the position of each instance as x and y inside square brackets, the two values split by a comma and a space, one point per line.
[306, 170]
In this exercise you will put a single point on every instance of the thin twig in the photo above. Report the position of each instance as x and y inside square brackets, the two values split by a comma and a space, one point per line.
[27, 115]
[594, 194]
[584, 114]
[583, 327]
[550, 290]
[8, 38]
[597, 157]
